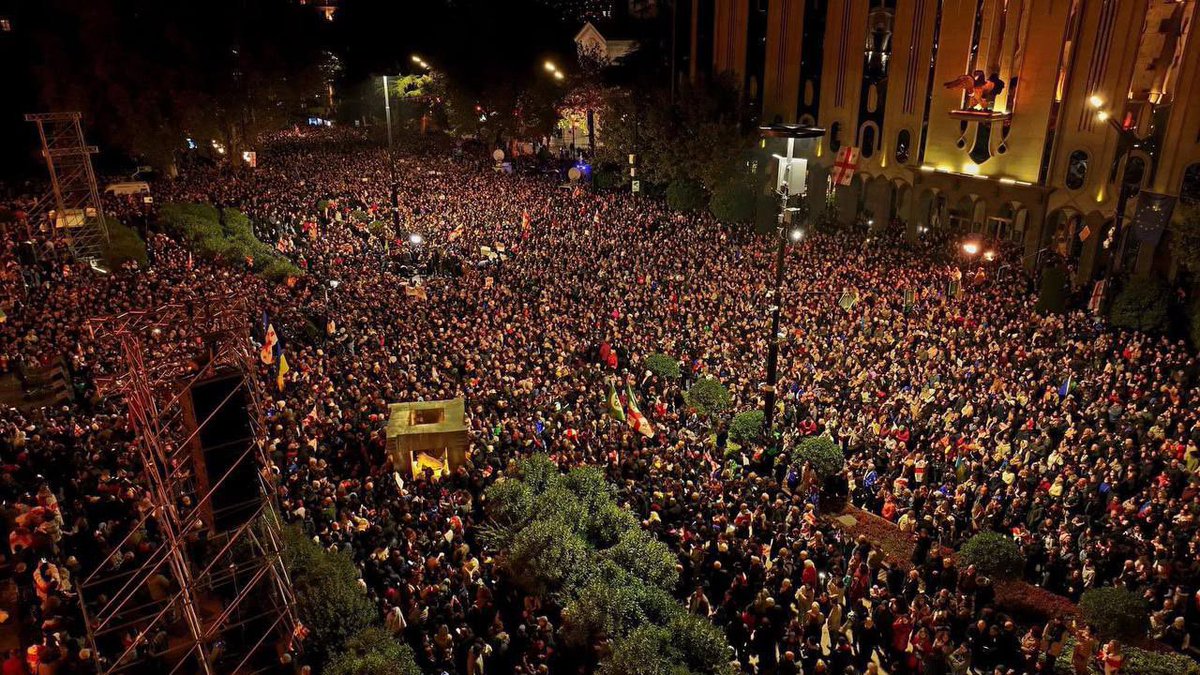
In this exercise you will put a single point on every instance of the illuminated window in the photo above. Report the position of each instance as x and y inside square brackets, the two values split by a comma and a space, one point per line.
[1077, 168]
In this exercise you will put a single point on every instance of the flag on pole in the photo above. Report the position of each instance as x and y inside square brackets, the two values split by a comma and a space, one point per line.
[845, 165]
[636, 419]
[270, 340]
[1097, 298]
[1065, 388]
[283, 370]
[615, 409]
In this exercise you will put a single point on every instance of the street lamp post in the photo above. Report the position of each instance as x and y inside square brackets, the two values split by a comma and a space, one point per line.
[791, 132]
[1128, 141]
[387, 113]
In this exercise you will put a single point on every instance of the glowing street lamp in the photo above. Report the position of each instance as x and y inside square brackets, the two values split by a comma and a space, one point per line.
[796, 235]
[550, 67]
[1096, 102]
[558, 75]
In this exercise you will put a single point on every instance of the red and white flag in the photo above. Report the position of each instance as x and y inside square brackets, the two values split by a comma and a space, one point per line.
[845, 165]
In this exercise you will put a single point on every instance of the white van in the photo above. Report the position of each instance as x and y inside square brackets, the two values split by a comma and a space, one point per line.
[136, 187]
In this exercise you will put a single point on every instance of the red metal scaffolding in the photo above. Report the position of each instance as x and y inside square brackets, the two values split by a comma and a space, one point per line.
[198, 598]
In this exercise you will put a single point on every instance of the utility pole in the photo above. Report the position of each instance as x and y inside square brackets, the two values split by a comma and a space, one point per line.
[387, 113]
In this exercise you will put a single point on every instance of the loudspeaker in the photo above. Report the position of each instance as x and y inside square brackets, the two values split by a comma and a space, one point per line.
[223, 453]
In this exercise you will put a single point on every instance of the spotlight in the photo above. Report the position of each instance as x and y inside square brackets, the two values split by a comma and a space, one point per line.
[970, 248]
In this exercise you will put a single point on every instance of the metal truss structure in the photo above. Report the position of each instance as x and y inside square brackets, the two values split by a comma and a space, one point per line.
[71, 211]
[194, 598]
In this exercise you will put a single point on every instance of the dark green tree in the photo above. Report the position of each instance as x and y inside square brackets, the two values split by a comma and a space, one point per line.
[1115, 612]
[994, 555]
[373, 652]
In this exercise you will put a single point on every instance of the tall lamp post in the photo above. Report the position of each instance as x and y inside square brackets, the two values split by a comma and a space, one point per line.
[387, 112]
[788, 166]
[1128, 142]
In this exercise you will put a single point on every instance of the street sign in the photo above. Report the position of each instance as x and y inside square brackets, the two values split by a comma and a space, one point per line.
[637, 186]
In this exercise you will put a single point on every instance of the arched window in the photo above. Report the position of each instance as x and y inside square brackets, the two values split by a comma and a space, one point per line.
[1189, 189]
[835, 142]
[903, 142]
[1077, 168]
[868, 140]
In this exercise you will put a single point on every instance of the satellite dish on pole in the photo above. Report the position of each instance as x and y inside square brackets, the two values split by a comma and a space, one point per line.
[498, 155]
[574, 173]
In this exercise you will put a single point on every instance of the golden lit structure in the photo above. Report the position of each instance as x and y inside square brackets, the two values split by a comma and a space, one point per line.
[427, 435]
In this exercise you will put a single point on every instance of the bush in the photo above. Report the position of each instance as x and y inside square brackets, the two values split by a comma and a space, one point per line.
[688, 644]
[607, 178]
[994, 555]
[1141, 305]
[124, 245]
[746, 426]
[685, 195]
[578, 547]
[1115, 612]
[646, 558]
[1139, 661]
[825, 456]
[329, 599]
[708, 397]
[373, 652]
[663, 366]
[733, 202]
[233, 241]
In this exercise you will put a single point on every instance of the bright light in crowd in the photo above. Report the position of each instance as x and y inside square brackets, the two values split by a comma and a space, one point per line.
[415, 239]
[989, 255]
[970, 248]
[796, 234]
[558, 75]
[550, 67]
[1095, 101]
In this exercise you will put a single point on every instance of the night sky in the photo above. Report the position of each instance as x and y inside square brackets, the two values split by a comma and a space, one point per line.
[477, 43]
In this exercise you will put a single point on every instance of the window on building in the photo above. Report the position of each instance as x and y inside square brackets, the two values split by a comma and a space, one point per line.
[1189, 189]
[1077, 168]
[868, 141]
[903, 143]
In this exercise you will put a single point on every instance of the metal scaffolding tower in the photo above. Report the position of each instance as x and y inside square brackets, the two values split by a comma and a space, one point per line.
[77, 216]
[176, 590]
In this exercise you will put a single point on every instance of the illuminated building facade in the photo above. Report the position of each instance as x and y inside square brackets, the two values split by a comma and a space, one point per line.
[980, 115]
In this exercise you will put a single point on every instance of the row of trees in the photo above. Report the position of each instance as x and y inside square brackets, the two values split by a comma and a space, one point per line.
[225, 234]
[564, 538]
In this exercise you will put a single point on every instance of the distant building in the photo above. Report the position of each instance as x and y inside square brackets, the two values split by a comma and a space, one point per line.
[610, 48]
[977, 115]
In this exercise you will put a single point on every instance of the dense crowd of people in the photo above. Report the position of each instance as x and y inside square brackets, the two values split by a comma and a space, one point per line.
[958, 412]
